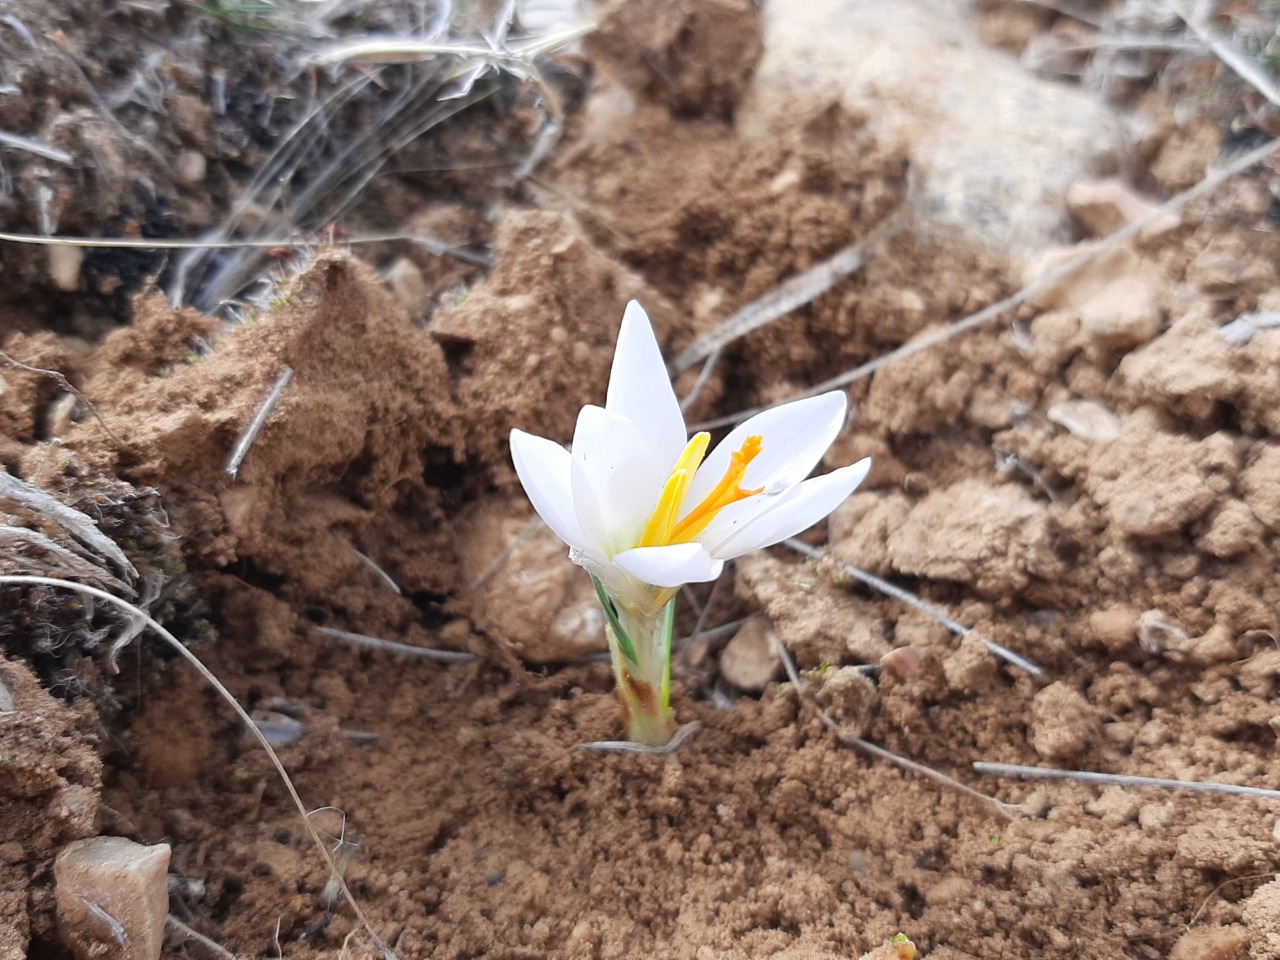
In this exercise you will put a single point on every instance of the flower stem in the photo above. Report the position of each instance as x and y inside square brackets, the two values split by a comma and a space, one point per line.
[640, 646]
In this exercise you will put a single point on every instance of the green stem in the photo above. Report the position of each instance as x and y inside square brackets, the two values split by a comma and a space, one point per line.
[640, 646]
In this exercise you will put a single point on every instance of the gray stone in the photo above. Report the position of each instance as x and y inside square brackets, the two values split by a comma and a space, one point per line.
[996, 147]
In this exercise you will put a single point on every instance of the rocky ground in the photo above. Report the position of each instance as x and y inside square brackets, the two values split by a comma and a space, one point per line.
[1091, 479]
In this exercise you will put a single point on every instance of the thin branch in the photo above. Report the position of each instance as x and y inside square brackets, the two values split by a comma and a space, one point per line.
[1121, 780]
[912, 347]
[628, 746]
[377, 570]
[241, 449]
[17, 141]
[432, 244]
[391, 646]
[175, 924]
[916, 603]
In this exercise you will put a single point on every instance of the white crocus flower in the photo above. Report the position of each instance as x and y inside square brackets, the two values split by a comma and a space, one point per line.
[645, 509]
[638, 504]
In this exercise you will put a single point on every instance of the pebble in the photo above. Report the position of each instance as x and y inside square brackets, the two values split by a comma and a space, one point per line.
[112, 898]
[190, 167]
[539, 605]
[750, 660]
[1158, 634]
[407, 283]
[64, 266]
[1105, 206]
[849, 697]
[1260, 483]
[1063, 724]
[1085, 418]
[1212, 942]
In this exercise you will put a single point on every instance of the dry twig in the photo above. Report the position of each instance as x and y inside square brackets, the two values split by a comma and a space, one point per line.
[1121, 780]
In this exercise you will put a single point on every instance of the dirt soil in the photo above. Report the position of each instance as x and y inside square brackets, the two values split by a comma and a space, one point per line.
[1094, 483]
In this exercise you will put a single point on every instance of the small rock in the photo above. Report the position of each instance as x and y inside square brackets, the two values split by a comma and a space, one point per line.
[1115, 628]
[1116, 297]
[995, 538]
[1158, 634]
[860, 528]
[1216, 646]
[190, 167]
[849, 697]
[993, 159]
[1156, 815]
[1208, 847]
[1104, 206]
[1260, 483]
[815, 619]
[1186, 155]
[112, 898]
[1085, 418]
[970, 667]
[1063, 724]
[1191, 366]
[1151, 482]
[1234, 531]
[1115, 806]
[750, 660]
[1262, 919]
[1228, 266]
[1212, 943]
[537, 603]
[903, 662]
[64, 266]
[407, 283]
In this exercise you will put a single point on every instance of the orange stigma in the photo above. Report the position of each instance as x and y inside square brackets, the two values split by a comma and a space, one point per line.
[662, 528]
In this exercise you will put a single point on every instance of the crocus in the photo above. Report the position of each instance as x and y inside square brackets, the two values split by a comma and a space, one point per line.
[646, 509]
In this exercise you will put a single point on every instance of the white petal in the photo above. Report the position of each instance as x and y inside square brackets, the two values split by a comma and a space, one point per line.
[616, 479]
[640, 390]
[797, 510]
[672, 566]
[544, 471]
[795, 436]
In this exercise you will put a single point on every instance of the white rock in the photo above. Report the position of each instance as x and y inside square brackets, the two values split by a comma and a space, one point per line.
[535, 602]
[112, 898]
[1085, 418]
[64, 266]
[190, 168]
[750, 661]
[996, 147]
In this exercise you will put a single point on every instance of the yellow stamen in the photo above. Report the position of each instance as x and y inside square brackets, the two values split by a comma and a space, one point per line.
[657, 529]
[728, 490]
[662, 528]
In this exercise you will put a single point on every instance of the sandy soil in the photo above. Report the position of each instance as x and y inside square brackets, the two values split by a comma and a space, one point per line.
[1094, 483]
